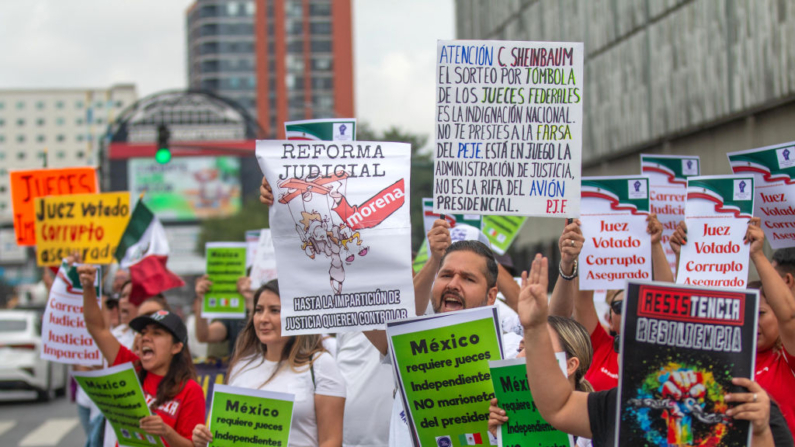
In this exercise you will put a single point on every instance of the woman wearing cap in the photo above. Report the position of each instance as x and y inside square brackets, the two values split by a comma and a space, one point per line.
[299, 365]
[164, 368]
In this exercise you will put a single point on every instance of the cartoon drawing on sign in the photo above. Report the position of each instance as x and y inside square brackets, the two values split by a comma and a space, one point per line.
[681, 405]
[786, 154]
[742, 187]
[320, 230]
[689, 164]
[637, 186]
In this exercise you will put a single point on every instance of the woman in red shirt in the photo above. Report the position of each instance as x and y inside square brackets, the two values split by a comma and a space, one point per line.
[164, 368]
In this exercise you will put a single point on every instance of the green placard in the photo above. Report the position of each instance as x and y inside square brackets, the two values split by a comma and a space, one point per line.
[243, 417]
[422, 257]
[442, 364]
[501, 231]
[118, 395]
[226, 262]
[525, 427]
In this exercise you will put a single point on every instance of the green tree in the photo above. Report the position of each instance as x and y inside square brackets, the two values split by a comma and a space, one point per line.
[252, 216]
[421, 172]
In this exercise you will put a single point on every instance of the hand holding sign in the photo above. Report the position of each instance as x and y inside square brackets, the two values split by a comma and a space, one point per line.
[202, 436]
[755, 236]
[439, 238]
[265, 192]
[570, 244]
[154, 425]
[754, 405]
[655, 228]
[679, 237]
[88, 274]
[533, 306]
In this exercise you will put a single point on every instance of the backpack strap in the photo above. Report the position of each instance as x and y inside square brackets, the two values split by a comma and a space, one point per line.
[312, 372]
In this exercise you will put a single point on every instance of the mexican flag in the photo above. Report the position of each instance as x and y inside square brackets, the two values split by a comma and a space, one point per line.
[143, 250]
[470, 439]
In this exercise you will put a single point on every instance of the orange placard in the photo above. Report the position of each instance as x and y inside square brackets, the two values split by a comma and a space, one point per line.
[26, 186]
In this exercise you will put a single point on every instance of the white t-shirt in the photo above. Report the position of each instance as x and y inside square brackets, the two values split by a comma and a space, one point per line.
[327, 382]
[370, 388]
[125, 334]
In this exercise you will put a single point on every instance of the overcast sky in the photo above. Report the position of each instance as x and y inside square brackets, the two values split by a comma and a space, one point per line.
[96, 43]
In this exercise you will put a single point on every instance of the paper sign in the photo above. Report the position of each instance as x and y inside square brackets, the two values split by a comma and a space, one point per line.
[321, 129]
[421, 258]
[525, 426]
[264, 267]
[226, 263]
[64, 337]
[341, 229]
[442, 366]
[26, 186]
[717, 213]
[91, 224]
[668, 191]
[773, 168]
[508, 128]
[209, 375]
[501, 231]
[429, 217]
[118, 394]
[617, 246]
[233, 423]
[680, 347]
[252, 241]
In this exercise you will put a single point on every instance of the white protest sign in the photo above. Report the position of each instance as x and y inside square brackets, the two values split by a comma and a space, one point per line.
[252, 241]
[773, 168]
[64, 337]
[717, 213]
[668, 191]
[617, 246]
[264, 268]
[341, 230]
[508, 128]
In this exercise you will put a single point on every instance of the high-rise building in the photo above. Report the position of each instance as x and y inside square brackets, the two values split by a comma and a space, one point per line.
[296, 62]
[69, 123]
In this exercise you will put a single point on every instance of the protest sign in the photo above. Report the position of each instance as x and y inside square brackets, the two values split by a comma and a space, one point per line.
[442, 366]
[252, 241]
[118, 395]
[246, 417]
[525, 426]
[342, 234]
[226, 263]
[668, 191]
[422, 256]
[91, 224]
[429, 217]
[64, 337]
[501, 231]
[718, 209]
[681, 346]
[264, 267]
[26, 186]
[208, 375]
[327, 129]
[508, 128]
[617, 246]
[773, 168]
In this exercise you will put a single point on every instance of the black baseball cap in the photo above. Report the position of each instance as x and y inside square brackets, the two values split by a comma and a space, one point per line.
[164, 318]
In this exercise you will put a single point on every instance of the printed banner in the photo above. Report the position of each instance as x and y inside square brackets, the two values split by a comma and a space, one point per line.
[264, 267]
[442, 366]
[246, 417]
[252, 241]
[501, 231]
[617, 246]
[668, 191]
[27, 186]
[717, 213]
[64, 337]
[681, 347]
[226, 263]
[91, 224]
[508, 128]
[118, 394]
[773, 168]
[429, 217]
[341, 229]
[525, 426]
[327, 129]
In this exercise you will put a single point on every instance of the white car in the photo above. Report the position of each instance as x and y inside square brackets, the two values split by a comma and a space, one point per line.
[22, 372]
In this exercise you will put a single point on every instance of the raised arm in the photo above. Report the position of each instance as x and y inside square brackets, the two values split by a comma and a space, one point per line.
[92, 315]
[559, 405]
[678, 239]
[661, 271]
[206, 332]
[565, 292]
[438, 241]
[776, 291]
[507, 286]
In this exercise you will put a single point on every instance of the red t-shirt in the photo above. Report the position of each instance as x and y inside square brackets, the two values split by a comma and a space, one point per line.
[603, 373]
[182, 413]
[775, 372]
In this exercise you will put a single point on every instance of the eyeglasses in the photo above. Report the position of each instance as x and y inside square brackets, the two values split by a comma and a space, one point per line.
[615, 306]
[111, 304]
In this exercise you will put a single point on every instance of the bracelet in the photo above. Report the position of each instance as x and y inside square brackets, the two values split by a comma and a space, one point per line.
[567, 277]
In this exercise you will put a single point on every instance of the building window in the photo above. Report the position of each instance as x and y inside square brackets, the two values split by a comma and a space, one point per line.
[20, 138]
[80, 154]
[21, 122]
[61, 154]
[79, 104]
[99, 121]
[232, 8]
[40, 105]
[320, 28]
[321, 46]
[3, 171]
[296, 46]
[40, 155]
[59, 121]
[321, 63]
[2, 155]
[40, 122]
[119, 104]
[79, 121]
[60, 138]
[40, 138]
[319, 9]
[2, 105]
[99, 104]
[20, 105]
[21, 155]
[59, 105]
[2, 138]
[250, 9]
[2, 122]
[79, 138]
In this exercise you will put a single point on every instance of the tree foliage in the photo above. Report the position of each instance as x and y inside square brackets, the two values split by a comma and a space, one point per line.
[252, 216]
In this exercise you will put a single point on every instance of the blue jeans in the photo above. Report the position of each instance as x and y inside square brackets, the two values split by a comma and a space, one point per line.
[97, 436]
[84, 413]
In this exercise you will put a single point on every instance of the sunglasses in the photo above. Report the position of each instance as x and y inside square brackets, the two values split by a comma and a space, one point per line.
[615, 306]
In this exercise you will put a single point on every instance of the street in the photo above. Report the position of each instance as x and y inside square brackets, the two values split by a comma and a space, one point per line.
[30, 423]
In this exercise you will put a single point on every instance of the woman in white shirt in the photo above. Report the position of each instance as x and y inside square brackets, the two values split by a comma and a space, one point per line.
[298, 365]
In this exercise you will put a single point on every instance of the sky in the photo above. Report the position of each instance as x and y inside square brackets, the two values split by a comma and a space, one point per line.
[97, 43]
